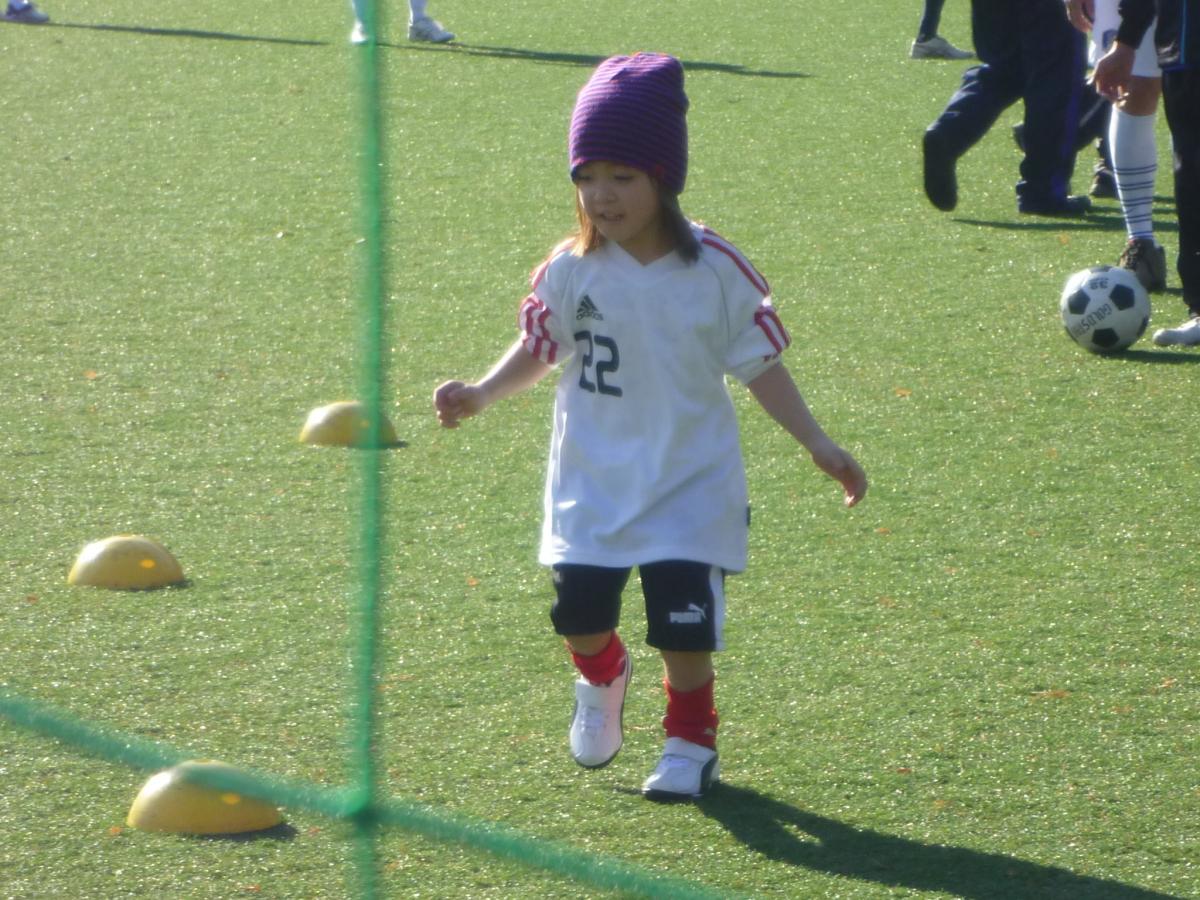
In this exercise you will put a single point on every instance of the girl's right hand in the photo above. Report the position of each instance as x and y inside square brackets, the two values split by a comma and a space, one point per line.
[1111, 75]
[455, 400]
[516, 371]
[1081, 14]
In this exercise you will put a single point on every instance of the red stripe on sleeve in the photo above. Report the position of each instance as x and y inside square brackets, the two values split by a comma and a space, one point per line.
[768, 320]
[714, 240]
[535, 335]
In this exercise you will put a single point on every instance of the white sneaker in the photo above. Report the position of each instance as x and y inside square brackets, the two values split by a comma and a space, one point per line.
[596, 726]
[426, 29]
[1186, 335]
[685, 772]
[937, 47]
[358, 34]
[27, 14]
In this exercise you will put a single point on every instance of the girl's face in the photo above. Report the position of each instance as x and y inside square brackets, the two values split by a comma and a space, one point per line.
[623, 204]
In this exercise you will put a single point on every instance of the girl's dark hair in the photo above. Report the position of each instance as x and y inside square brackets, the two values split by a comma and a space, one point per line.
[686, 244]
[586, 238]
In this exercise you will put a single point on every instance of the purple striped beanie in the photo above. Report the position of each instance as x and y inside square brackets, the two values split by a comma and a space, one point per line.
[633, 111]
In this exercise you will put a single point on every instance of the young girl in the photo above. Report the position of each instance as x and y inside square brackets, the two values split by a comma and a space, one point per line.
[1131, 138]
[421, 26]
[647, 312]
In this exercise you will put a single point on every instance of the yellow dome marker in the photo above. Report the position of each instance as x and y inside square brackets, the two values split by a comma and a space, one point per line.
[126, 562]
[343, 424]
[170, 801]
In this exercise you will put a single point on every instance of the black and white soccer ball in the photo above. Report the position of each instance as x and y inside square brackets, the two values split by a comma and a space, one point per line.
[1104, 308]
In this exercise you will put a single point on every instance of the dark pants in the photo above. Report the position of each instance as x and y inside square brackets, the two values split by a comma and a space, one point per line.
[1029, 52]
[931, 18]
[1181, 100]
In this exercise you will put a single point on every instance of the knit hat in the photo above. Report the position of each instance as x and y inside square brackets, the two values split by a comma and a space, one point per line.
[633, 111]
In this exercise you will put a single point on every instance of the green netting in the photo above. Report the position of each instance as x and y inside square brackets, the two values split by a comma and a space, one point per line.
[366, 812]
[371, 375]
[358, 802]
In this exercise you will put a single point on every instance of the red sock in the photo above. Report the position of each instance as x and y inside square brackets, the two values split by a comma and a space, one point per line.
[691, 715]
[604, 666]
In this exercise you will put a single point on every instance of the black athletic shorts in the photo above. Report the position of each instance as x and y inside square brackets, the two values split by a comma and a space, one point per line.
[685, 602]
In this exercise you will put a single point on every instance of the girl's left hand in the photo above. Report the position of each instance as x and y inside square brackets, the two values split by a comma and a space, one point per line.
[841, 466]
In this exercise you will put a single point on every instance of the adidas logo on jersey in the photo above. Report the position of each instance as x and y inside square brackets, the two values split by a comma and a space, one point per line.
[587, 310]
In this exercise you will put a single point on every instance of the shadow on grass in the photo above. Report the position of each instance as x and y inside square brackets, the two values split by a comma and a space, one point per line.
[1097, 220]
[570, 59]
[1092, 222]
[281, 832]
[186, 33]
[788, 835]
[587, 60]
[1158, 357]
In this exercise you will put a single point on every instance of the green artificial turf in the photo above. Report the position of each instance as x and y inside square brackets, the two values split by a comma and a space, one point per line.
[979, 683]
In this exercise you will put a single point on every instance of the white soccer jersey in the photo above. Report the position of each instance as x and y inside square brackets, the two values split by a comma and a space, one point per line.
[1104, 31]
[645, 461]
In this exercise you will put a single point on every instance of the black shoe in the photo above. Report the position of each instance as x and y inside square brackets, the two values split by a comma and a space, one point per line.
[1104, 184]
[1071, 207]
[1018, 133]
[1148, 261]
[941, 184]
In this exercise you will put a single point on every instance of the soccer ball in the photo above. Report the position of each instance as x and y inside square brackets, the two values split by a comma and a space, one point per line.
[1104, 308]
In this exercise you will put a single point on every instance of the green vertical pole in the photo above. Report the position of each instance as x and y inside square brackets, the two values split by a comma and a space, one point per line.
[371, 375]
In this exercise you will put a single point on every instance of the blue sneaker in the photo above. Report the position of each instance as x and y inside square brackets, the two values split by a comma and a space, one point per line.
[25, 14]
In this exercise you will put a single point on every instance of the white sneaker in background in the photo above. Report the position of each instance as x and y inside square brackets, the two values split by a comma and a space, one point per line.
[426, 29]
[937, 47]
[1185, 335]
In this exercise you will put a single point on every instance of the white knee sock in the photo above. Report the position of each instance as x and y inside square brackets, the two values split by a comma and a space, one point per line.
[359, 8]
[1135, 163]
